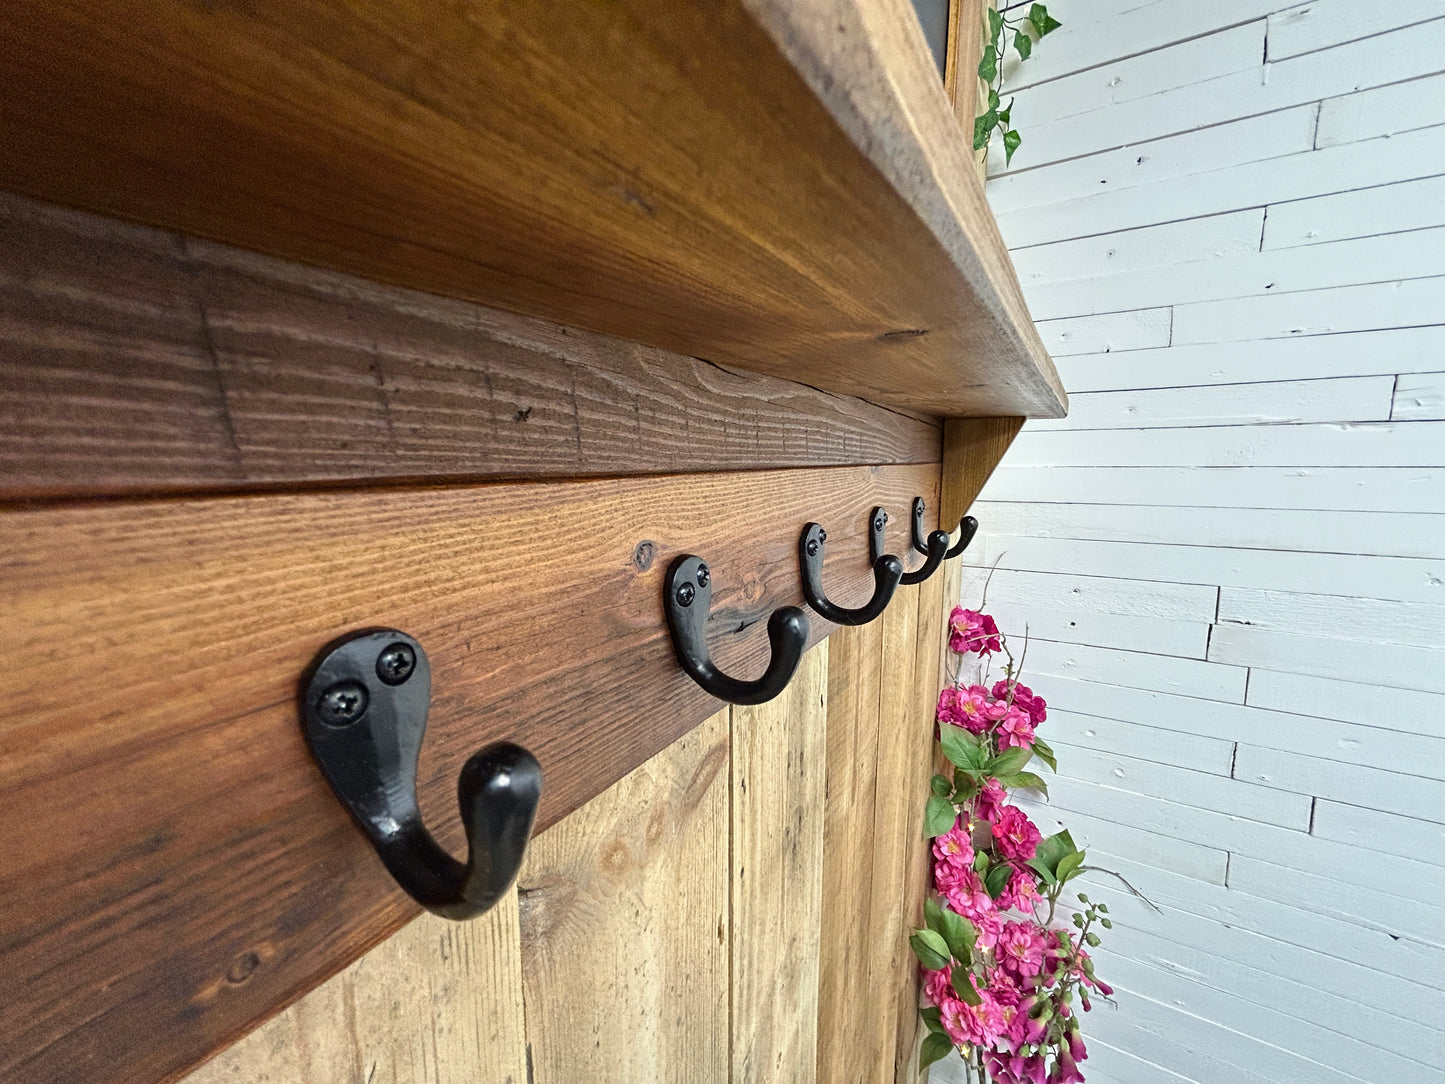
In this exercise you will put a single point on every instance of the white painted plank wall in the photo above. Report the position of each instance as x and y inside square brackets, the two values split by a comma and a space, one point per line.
[1229, 221]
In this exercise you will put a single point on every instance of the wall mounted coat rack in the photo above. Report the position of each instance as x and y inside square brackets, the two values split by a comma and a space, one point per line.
[364, 703]
[687, 600]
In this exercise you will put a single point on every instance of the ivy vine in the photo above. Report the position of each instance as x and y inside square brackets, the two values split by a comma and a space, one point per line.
[1024, 32]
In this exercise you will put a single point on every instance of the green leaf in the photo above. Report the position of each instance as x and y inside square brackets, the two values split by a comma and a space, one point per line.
[988, 66]
[938, 818]
[936, 1047]
[1043, 871]
[932, 1019]
[997, 879]
[1010, 761]
[980, 862]
[1104, 922]
[959, 746]
[1092, 938]
[1003, 118]
[1042, 22]
[966, 784]
[1069, 865]
[1023, 44]
[993, 99]
[941, 786]
[930, 948]
[1042, 749]
[959, 980]
[933, 915]
[960, 934]
[1053, 848]
[1025, 780]
[995, 26]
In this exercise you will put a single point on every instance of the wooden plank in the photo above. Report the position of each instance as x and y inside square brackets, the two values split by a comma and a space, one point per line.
[439, 1002]
[762, 184]
[166, 822]
[844, 997]
[133, 359]
[625, 925]
[779, 772]
[972, 448]
[935, 600]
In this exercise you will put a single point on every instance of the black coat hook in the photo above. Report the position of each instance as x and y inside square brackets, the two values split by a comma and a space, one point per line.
[687, 598]
[887, 573]
[935, 547]
[364, 706]
[967, 528]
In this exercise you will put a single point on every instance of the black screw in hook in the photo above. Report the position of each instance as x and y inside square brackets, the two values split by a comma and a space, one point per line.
[787, 632]
[342, 704]
[395, 663]
[364, 703]
[887, 572]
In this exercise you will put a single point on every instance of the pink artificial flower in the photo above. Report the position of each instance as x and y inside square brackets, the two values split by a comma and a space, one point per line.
[1076, 1045]
[1021, 949]
[1014, 1068]
[990, 801]
[979, 1025]
[971, 708]
[1065, 1071]
[1021, 893]
[1024, 698]
[954, 847]
[1016, 729]
[1016, 835]
[972, 633]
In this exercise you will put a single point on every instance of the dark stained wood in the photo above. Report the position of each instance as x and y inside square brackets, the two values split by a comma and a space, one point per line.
[172, 868]
[759, 183]
[972, 448]
[135, 360]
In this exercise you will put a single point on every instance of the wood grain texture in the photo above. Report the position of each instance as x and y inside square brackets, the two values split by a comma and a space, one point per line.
[625, 925]
[137, 360]
[972, 448]
[174, 857]
[775, 186]
[438, 1003]
[844, 1004]
[779, 771]
[883, 686]
[936, 599]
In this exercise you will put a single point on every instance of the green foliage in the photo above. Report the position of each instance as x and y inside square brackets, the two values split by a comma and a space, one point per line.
[1009, 761]
[996, 879]
[958, 933]
[939, 816]
[1042, 749]
[959, 980]
[940, 786]
[961, 748]
[1022, 34]
[936, 1047]
[930, 948]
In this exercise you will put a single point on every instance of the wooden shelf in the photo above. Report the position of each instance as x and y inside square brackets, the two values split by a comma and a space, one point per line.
[760, 183]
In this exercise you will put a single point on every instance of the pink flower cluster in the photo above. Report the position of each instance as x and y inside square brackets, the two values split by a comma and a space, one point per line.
[1013, 711]
[972, 633]
[1022, 971]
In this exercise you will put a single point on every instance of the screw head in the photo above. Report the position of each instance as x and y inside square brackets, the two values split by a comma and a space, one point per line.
[918, 510]
[879, 520]
[685, 594]
[396, 663]
[812, 547]
[822, 535]
[703, 576]
[343, 704]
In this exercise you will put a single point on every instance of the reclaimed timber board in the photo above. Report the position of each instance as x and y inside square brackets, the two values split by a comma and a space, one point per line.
[175, 870]
[777, 186]
[135, 360]
[625, 930]
[779, 773]
[972, 448]
[437, 1003]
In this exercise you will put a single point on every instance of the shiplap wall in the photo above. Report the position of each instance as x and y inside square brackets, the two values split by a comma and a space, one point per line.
[1229, 219]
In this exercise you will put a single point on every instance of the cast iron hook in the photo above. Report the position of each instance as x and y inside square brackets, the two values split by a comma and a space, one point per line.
[967, 528]
[887, 572]
[687, 598]
[364, 710]
[935, 548]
